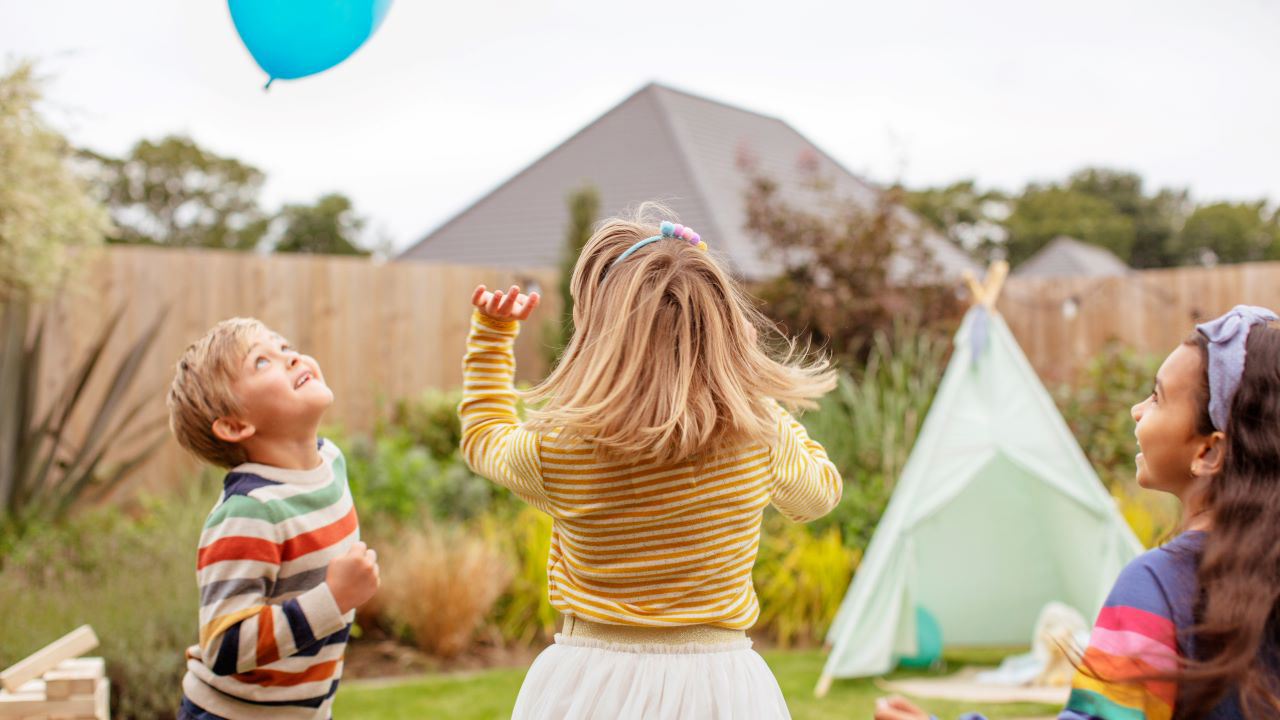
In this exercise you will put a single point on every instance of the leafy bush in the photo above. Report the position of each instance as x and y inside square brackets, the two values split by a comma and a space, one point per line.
[411, 466]
[131, 576]
[1097, 408]
[800, 578]
[430, 420]
[869, 423]
[524, 614]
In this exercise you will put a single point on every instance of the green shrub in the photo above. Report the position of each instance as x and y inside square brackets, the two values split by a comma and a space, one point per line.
[800, 577]
[869, 423]
[524, 615]
[1097, 406]
[394, 480]
[430, 421]
[131, 576]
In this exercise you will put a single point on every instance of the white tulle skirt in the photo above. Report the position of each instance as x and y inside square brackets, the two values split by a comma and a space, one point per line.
[585, 678]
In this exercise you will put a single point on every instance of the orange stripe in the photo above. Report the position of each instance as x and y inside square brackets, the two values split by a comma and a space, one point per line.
[280, 678]
[320, 538]
[1113, 670]
[267, 650]
[238, 547]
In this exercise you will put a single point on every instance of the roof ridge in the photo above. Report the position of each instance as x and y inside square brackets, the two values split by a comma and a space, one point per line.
[467, 209]
[695, 177]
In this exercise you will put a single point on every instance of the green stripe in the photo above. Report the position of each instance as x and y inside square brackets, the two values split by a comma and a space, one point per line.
[1091, 703]
[275, 511]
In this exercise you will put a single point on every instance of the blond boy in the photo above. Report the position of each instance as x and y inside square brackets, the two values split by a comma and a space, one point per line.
[280, 565]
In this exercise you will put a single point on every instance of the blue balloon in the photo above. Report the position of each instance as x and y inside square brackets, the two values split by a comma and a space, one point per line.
[295, 38]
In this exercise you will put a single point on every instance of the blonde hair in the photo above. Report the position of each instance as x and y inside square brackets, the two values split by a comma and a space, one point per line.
[201, 390]
[665, 361]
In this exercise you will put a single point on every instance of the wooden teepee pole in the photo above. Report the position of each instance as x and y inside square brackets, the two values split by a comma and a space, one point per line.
[987, 292]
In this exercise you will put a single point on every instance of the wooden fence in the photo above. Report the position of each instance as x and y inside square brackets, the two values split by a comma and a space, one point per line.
[1061, 323]
[379, 331]
[388, 331]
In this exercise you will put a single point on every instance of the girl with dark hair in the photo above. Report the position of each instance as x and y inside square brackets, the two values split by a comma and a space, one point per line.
[1191, 629]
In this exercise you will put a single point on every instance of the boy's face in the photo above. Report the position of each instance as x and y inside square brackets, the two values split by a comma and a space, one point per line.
[279, 390]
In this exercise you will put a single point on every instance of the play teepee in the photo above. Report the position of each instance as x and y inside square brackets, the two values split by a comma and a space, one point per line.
[996, 514]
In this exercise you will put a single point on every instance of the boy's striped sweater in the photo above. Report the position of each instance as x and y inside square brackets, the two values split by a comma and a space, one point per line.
[271, 635]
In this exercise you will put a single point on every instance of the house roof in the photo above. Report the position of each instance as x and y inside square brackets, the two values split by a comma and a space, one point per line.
[1067, 257]
[658, 144]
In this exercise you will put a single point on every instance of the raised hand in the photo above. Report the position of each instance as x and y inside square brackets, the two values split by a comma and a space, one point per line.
[511, 305]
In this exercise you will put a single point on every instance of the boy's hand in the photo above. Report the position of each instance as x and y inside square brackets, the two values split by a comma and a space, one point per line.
[513, 305]
[898, 708]
[353, 577]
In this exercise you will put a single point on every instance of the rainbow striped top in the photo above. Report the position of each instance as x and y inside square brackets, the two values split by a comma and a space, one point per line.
[635, 543]
[1140, 631]
[271, 635]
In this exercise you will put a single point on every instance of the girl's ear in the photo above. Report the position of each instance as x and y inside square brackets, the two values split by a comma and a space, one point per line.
[229, 429]
[1208, 459]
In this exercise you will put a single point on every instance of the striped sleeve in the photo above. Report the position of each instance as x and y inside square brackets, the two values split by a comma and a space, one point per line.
[1133, 638]
[493, 443]
[805, 484]
[236, 568]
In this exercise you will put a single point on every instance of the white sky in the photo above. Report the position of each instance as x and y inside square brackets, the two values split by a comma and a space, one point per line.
[447, 100]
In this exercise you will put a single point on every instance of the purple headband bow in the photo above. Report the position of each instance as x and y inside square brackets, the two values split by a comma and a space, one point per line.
[1227, 336]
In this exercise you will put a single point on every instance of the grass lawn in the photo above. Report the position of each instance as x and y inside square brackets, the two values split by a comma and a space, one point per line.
[490, 694]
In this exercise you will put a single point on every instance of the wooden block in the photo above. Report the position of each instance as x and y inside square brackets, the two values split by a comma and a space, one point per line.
[79, 676]
[95, 666]
[102, 702]
[73, 644]
[24, 705]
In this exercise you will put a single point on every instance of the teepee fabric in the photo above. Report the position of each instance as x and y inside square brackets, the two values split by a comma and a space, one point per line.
[996, 514]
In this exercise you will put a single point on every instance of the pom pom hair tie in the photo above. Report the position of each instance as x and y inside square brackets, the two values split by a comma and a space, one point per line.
[669, 230]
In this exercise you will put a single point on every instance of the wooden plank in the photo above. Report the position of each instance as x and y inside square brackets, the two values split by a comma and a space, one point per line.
[22, 705]
[75, 643]
[74, 677]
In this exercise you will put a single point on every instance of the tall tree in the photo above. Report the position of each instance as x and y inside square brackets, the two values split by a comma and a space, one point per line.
[584, 210]
[1042, 213]
[969, 217]
[329, 226]
[1154, 217]
[1229, 233]
[836, 286]
[174, 192]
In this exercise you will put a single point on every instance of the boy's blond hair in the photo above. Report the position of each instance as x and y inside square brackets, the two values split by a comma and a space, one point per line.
[201, 390]
[664, 363]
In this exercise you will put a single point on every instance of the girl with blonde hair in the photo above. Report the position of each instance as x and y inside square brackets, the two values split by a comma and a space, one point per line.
[655, 445]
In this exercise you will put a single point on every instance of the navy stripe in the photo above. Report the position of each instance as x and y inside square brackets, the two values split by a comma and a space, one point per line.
[243, 483]
[302, 635]
[311, 702]
[228, 652]
[334, 639]
[191, 711]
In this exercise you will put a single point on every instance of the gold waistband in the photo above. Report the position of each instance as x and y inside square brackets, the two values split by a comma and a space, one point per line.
[638, 635]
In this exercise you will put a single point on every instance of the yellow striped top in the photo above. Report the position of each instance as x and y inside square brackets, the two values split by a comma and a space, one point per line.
[635, 543]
